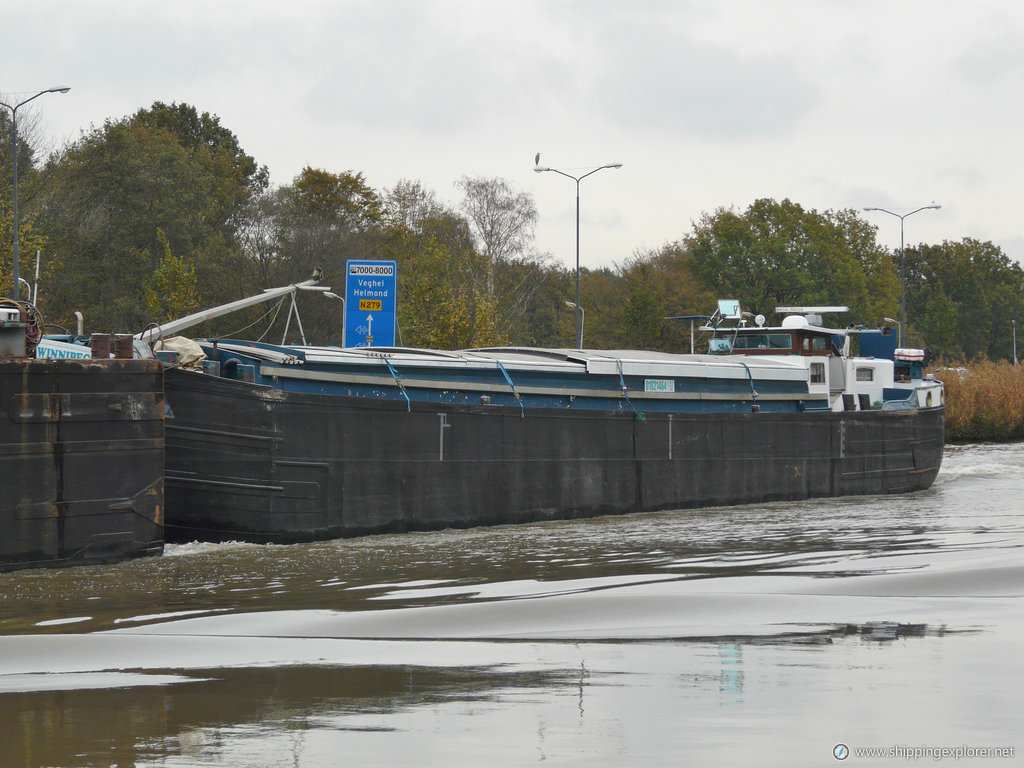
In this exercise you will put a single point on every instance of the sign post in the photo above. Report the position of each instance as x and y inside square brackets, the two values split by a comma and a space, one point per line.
[371, 299]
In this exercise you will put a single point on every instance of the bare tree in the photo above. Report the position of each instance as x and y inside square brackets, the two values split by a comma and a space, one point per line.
[502, 219]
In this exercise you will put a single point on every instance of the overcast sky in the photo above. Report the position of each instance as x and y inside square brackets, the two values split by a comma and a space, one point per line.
[830, 103]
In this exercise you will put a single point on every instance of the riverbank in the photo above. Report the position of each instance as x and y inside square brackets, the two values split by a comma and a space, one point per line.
[984, 401]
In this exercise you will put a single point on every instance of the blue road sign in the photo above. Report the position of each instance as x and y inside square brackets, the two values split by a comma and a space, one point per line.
[371, 300]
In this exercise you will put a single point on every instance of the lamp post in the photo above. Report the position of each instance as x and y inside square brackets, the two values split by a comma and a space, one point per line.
[14, 161]
[541, 169]
[903, 258]
[583, 318]
[899, 330]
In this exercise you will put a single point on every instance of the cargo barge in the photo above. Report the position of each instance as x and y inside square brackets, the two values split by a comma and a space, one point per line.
[276, 443]
[81, 454]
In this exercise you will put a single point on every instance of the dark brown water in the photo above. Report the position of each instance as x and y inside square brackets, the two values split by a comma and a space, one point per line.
[758, 635]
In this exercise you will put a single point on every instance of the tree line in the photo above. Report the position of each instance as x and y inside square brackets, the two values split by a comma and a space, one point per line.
[161, 213]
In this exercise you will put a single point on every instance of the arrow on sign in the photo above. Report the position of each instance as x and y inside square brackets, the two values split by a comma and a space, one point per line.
[369, 325]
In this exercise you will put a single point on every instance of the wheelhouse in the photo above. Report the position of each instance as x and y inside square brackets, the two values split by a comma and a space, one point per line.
[794, 337]
[833, 375]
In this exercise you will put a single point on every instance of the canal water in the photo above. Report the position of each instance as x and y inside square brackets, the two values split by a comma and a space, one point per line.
[867, 631]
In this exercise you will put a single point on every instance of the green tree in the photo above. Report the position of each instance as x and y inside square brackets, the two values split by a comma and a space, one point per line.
[878, 294]
[780, 253]
[976, 286]
[643, 317]
[111, 192]
[938, 322]
[173, 290]
[210, 144]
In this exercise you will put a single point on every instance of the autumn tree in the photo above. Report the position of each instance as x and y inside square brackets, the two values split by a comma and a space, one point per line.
[603, 295]
[443, 309]
[658, 285]
[440, 303]
[342, 202]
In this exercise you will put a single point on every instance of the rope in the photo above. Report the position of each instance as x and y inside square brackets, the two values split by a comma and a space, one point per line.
[398, 381]
[522, 410]
[750, 376]
[625, 393]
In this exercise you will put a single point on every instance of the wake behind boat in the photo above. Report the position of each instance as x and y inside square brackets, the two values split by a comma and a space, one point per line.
[288, 443]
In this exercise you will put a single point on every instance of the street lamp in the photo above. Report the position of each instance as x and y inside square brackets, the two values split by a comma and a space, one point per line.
[540, 169]
[14, 159]
[582, 315]
[899, 330]
[903, 257]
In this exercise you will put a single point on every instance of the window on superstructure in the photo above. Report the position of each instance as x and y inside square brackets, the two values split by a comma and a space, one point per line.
[776, 341]
[817, 373]
[865, 374]
[815, 344]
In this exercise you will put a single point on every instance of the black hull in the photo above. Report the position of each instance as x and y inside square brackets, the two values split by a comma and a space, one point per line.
[81, 461]
[252, 463]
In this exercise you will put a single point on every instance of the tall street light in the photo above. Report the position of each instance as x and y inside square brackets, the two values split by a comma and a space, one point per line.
[579, 309]
[903, 259]
[14, 160]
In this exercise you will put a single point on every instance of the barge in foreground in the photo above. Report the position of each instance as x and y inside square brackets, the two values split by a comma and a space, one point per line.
[81, 455]
[288, 443]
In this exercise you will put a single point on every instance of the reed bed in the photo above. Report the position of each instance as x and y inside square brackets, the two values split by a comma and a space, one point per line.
[984, 401]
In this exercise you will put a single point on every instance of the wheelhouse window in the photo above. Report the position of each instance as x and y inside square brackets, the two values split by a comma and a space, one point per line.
[775, 341]
[817, 373]
[865, 374]
[815, 344]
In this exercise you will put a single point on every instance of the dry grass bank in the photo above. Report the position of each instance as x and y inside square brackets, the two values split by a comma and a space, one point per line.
[984, 401]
